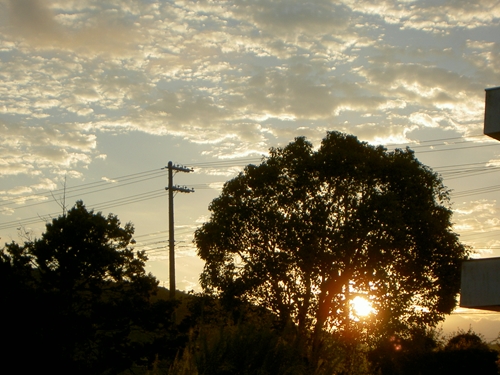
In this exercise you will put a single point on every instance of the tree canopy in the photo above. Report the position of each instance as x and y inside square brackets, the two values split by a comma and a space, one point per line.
[78, 297]
[307, 231]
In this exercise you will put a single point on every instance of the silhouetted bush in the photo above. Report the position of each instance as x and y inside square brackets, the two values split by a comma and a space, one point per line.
[423, 354]
[79, 301]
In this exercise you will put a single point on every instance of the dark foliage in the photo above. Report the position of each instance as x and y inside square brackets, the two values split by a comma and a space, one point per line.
[245, 340]
[306, 231]
[78, 300]
[465, 353]
[412, 355]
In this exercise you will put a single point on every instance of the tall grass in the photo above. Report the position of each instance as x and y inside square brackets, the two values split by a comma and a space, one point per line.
[241, 349]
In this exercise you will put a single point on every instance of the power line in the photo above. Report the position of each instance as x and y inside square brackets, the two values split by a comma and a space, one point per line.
[459, 148]
[116, 181]
[99, 206]
[442, 139]
[450, 172]
[225, 163]
[151, 174]
[90, 185]
[483, 190]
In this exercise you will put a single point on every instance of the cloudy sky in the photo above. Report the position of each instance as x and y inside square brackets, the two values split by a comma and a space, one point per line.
[97, 96]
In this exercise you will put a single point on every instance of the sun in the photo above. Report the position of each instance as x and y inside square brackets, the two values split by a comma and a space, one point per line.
[361, 307]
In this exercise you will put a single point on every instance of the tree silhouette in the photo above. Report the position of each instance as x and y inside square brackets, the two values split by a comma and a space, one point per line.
[467, 353]
[77, 297]
[305, 232]
[425, 353]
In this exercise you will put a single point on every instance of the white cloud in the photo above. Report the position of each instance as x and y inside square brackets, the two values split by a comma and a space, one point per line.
[19, 190]
[238, 77]
[45, 184]
[202, 67]
[478, 222]
[430, 16]
[424, 119]
[108, 179]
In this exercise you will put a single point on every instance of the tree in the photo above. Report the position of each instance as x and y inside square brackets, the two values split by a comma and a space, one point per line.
[411, 355]
[78, 298]
[305, 232]
[467, 353]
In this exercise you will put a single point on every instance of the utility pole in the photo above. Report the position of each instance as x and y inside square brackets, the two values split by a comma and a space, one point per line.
[171, 244]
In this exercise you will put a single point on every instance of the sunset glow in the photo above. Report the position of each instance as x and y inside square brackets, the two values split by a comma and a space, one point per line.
[361, 307]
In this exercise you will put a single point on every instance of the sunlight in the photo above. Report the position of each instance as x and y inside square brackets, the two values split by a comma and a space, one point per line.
[361, 306]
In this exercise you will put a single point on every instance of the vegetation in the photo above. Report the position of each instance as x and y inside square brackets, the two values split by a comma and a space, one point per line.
[307, 231]
[80, 299]
[290, 245]
[427, 353]
[248, 340]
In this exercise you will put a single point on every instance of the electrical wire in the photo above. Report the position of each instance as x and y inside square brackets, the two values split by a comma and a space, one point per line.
[448, 172]
[100, 206]
[83, 187]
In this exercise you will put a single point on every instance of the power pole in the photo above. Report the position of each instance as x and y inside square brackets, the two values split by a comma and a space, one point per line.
[171, 244]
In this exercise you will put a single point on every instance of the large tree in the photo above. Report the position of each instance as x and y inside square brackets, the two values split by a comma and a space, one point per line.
[78, 299]
[305, 232]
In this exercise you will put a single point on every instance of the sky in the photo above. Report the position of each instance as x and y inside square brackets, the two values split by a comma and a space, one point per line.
[96, 97]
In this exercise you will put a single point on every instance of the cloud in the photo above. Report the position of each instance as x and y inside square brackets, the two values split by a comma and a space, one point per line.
[484, 55]
[424, 119]
[382, 134]
[110, 180]
[19, 195]
[19, 190]
[430, 16]
[478, 222]
[32, 19]
[26, 150]
[292, 17]
[45, 184]
[239, 76]
[41, 24]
